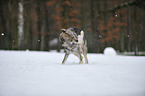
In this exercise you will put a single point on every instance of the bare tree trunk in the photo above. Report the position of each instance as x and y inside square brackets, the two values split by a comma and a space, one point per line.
[59, 25]
[83, 15]
[42, 46]
[129, 28]
[135, 32]
[21, 26]
[35, 32]
[3, 26]
[141, 35]
[105, 22]
[93, 26]
[92, 15]
[121, 35]
[27, 26]
[65, 12]
[11, 23]
[47, 28]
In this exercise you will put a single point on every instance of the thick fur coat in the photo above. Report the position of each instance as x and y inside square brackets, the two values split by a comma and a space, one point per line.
[73, 42]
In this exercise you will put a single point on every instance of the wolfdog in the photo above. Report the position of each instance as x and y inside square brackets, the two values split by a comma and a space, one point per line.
[73, 42]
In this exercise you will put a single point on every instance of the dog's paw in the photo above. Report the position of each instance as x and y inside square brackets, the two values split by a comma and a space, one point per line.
[86, 62]
[81, 62]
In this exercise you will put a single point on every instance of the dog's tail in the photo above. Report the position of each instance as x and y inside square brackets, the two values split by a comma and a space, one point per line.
[80, 37]
[82, 34]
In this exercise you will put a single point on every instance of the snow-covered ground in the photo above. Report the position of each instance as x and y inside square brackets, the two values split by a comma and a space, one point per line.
[30, 73]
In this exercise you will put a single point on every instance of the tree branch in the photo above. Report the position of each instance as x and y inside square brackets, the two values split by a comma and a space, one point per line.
[138, 3]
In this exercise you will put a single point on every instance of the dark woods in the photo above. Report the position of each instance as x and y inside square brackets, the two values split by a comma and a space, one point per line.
[36, 24]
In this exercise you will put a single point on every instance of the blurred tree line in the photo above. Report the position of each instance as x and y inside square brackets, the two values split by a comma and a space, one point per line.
[33, 24]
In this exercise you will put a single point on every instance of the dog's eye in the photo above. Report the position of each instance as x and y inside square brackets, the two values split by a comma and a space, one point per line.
[63, 31]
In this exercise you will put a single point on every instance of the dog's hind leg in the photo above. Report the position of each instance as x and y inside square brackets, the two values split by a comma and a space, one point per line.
[86, 59]
[85, 55]
[65, 57]
[79, 56]
[85, 52]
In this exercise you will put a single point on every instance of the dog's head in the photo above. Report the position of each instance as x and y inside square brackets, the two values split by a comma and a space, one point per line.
[70, 31]
[68, 34]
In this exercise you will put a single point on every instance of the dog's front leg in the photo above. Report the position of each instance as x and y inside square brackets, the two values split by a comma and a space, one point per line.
[65, 57]
[81, 58]
[79, 54]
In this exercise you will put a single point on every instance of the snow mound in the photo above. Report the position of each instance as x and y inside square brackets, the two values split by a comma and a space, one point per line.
[53, 42]
[109, 51]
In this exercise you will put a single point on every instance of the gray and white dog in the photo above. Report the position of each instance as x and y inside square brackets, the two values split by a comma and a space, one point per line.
[73, 42]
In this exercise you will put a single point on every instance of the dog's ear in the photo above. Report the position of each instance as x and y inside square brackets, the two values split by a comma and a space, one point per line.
[63, 30]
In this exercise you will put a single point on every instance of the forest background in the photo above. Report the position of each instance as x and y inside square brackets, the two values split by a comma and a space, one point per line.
[36, 24]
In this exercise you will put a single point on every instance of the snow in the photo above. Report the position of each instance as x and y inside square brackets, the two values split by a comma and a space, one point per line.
[31, 73]
[109, 51]
[53, 42]
[2, 34]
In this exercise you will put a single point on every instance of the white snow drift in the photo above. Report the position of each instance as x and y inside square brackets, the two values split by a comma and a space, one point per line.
[42, 74]
[109, 51]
